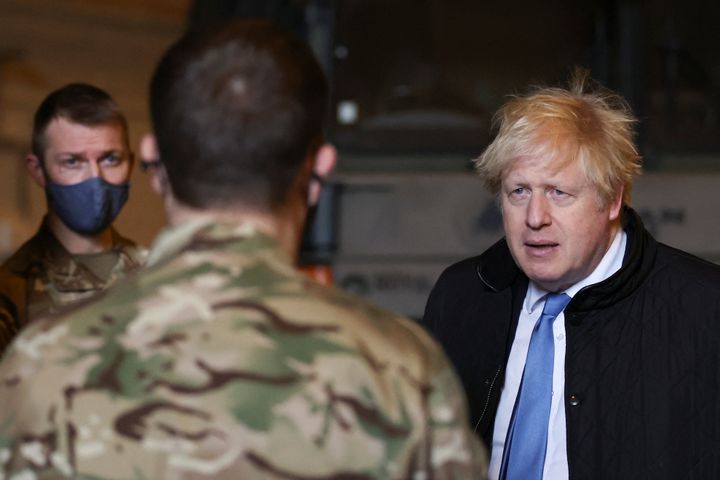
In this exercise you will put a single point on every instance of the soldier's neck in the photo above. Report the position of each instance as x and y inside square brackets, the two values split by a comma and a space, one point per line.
[285, 226]
[78, 243]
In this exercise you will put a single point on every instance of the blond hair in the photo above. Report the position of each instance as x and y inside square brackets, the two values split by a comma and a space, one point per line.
[595, 128]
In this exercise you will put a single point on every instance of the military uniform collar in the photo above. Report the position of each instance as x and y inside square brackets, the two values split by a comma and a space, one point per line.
[206, 233]
[61, 268]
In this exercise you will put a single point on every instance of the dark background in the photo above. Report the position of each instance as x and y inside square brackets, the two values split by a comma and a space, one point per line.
[427, 75]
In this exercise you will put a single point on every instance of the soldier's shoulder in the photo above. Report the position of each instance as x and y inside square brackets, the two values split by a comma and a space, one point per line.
[380, 327]
[23, 264]
[19, 262]
[136, 252]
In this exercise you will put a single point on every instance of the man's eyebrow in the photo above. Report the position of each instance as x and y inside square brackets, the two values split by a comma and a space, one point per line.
[121, 152]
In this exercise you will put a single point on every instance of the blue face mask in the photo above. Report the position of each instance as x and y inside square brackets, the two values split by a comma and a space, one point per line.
[88, 207]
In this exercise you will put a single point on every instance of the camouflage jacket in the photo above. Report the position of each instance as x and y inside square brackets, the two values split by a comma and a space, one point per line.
[42, 276]
[220, 360]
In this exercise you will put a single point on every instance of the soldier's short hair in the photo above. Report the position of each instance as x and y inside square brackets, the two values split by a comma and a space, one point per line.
[79, 103]
[236, 110]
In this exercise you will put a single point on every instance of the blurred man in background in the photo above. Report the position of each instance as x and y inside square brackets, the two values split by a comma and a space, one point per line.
[82, 159]
[220, 359]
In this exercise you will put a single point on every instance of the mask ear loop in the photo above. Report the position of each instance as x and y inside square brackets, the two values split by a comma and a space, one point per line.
[315, 176]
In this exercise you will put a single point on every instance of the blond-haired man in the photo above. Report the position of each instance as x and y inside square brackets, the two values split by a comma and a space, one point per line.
[587, 349]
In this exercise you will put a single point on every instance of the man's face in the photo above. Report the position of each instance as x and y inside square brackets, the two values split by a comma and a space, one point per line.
[75, 152]
[555, 224]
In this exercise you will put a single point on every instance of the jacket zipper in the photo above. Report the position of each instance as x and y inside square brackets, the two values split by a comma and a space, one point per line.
[487, 400]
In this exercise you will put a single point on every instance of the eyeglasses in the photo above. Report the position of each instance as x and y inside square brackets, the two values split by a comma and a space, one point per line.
[146, 165]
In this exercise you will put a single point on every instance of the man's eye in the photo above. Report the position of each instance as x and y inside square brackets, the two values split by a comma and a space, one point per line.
[111, 159]
[560, 193]
[70, 162]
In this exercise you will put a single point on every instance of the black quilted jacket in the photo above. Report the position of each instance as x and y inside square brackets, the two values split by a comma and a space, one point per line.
[642, 368]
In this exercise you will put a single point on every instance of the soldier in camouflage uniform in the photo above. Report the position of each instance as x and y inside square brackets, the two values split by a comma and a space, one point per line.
[81, 157]
[220, 360]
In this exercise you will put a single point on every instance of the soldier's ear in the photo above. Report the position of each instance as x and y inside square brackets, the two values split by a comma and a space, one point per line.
[150, 160]
[323, 164]
[34, 166]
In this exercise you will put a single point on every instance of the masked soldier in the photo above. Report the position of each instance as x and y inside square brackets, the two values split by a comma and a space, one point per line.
[81, 158]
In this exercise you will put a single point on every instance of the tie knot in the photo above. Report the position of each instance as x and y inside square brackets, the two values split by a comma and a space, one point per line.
[555, 303]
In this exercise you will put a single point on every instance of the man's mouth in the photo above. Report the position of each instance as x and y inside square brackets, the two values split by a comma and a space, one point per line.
[541, 247]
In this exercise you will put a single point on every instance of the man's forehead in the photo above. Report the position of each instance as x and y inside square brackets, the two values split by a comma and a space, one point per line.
[62, 122]
[548, 163]
[64, 133]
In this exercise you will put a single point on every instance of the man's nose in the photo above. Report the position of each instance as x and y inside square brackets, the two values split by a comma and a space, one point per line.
[538, 211]
[95, 170]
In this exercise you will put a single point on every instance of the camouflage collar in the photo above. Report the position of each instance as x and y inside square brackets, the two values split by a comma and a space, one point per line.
[66, 274]
[207, 233]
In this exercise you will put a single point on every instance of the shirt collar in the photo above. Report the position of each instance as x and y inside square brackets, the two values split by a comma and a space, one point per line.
[610, 263]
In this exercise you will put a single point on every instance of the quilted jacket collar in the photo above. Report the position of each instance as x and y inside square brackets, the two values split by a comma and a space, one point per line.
[498, 271]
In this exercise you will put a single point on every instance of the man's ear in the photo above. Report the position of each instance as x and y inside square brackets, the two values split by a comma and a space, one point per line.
[34, 167]
[323, 164]
[616, 205]
[149, 153]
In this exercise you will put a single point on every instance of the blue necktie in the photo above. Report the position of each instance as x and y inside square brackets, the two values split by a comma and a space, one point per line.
[526, 441]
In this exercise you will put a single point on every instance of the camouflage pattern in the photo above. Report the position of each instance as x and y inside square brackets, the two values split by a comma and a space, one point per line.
[220, 360]
[43, 276]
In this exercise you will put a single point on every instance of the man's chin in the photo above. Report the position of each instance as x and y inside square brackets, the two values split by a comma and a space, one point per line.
[548, 281]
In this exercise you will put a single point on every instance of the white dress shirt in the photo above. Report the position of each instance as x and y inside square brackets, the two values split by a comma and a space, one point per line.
[556, 466]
